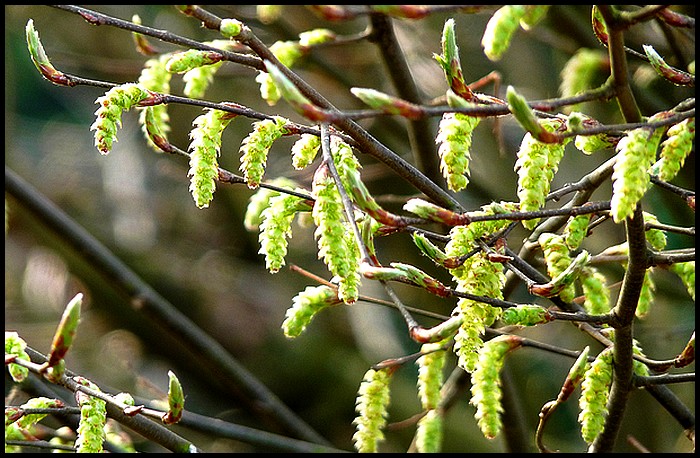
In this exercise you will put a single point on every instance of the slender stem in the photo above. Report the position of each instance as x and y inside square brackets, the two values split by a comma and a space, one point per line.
[159, 312]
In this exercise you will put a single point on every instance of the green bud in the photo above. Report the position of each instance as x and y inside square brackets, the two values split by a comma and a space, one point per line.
[388, 104]
[41, 61]
[176, 400]
[15, 345]
[65, 333]
[316, 37]
[525, 315]
[230, 28]
[674, 75]
[449, 61]
[181, 62]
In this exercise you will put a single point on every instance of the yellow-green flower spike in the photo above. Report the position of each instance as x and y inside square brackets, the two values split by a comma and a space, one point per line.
[256, 146]
[65, 333]
[316, 37]
[500, 29]
[204, 149]
[429, 432]
[372, 402]
[636, 152]
[486, 383]
[536, 166]
[581, 70]
[556, 255]
[109, 114]
[525, 315]
[26, 421]
[686, 272]
[533, 15]
[430, 374]
[276, 228]
[155, 121]
[305, 306]
[595, 291]
[260, 200]
[575, 230]
[675, 149]
[176, 400]
[93, 417]
[184, 61]
[305, 150]
[455, 138]
[655, 237]
[15, 345]
[646, 296]
[595, 390]
[328, 215]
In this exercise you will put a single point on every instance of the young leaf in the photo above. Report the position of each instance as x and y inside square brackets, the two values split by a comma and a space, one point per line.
[41, 61]
[15, 345]
[65, 333]
[176, 400]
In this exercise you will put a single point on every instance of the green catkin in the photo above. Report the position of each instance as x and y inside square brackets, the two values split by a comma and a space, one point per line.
[256, 146]
[109, 114]
[480, 277]
[156, 78]
[500, 29]
[197, 80]
[595, 390]
[429, 432]
[580, 71]
[635, 154]
[486, 384]
[305, 306]
[305, 150]
[556, 255]
[686, 272]
[655, 237]
[525, 315]
[93, 417]
[536, 166]
[675, 149]
[184, 61]
[328, 215]
[646, 296]
[455, 138]
[575, 230]
[373, 399]
[430, 374]
[204, 149]
[595, 291]
[15, 345]
[260, 200]
[276, 228]
[288, 53]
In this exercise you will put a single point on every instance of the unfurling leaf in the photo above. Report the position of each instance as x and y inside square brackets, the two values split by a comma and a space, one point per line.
[15, 345]
[65, 333]
[41, 61]
[176, 400]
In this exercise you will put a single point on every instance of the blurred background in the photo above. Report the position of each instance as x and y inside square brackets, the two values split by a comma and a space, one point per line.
[137, 203]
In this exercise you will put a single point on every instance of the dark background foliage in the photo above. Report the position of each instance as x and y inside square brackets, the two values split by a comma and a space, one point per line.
[137, 203]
